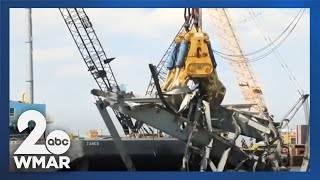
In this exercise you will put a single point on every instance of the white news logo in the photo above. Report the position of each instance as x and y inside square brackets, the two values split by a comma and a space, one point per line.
[57, 143]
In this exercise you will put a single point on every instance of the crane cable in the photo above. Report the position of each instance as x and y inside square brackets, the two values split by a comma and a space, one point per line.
[265, 54]
[276, 52]
[298, 16]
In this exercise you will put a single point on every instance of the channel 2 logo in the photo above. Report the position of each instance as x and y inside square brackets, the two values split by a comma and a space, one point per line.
[57, 143]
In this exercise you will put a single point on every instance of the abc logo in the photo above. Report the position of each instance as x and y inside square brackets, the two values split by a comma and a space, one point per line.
[55, 141]
[58, 142]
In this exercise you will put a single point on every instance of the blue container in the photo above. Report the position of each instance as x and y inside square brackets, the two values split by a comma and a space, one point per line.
[17, 108]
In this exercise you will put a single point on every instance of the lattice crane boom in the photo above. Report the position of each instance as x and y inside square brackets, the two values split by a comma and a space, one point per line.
[162, 71]
[246, 79]
[93, 55]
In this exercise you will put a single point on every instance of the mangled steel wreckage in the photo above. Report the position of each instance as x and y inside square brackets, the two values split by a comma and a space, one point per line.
[187, 106]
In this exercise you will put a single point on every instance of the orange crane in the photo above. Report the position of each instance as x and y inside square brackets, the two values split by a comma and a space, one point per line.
[242, 69]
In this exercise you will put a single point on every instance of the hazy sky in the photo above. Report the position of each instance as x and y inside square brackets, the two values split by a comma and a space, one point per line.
[137, 37]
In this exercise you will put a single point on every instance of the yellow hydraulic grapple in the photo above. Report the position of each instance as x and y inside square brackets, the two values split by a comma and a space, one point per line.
[193, 60]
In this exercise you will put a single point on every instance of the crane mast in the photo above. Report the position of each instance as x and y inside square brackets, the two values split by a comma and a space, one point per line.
[246, 79]
[93, 55]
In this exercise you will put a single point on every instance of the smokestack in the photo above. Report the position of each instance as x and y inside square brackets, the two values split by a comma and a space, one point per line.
[30, 56]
